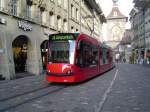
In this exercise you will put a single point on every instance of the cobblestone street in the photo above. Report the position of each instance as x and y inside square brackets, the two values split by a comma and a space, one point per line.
[123, 89]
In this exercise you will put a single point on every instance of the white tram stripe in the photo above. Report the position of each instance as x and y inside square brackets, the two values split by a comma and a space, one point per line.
[101, 103]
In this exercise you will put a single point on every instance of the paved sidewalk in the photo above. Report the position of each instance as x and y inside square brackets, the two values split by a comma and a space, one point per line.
[20, 76]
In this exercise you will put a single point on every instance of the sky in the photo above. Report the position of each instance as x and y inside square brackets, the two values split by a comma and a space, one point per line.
[125, 7]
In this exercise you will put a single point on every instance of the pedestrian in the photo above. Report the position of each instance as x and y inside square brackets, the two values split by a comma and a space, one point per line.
[148, 56]
[124, 60]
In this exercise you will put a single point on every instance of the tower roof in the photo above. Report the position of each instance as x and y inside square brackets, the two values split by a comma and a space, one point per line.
[115, 13]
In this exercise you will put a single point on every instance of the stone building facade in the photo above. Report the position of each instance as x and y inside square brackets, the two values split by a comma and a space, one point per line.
[125, 46]
[140, 26]
[26, 24]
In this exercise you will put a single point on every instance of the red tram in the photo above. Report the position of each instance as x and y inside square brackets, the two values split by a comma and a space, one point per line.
[75, 57]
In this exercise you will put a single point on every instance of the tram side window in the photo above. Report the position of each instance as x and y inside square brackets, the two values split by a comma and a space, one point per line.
[111, 57]
[95, 54]
[87, 54]
[103, 56]
[79, 54]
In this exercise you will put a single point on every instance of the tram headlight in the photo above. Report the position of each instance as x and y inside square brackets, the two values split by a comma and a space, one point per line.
[69, 72]
[48, 72]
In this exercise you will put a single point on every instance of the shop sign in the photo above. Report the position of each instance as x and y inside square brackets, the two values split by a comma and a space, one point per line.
[24, 25]
[1, 50]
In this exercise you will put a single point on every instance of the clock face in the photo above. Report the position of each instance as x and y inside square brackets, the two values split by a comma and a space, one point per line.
[116, 33]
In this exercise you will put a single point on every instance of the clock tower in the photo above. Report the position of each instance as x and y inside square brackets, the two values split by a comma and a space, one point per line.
[116, 22]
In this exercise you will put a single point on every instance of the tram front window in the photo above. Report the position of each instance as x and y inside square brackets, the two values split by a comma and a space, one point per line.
[61, 51]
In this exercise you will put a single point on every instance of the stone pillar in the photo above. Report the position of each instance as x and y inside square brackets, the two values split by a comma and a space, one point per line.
[6, 62]
[34, 57]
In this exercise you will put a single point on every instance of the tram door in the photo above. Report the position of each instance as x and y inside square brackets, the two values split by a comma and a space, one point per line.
[87, 58]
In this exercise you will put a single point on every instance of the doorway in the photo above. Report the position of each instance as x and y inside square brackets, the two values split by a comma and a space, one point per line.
[20, 48]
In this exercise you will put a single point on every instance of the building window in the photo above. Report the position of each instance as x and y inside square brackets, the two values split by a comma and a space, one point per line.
[72, 29]
[28, 11]
[65, 25]
[1, 4]
[52, 19]
[44, 17]
[59, 22]
[59, 2]
[39, 15]
[115, 13]
[77, 14]
[14, 7]
[82, 3]
[72, 11]
[77, 30]
[65, 4]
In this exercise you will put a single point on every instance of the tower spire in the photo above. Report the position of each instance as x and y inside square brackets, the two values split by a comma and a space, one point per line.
[115, 2]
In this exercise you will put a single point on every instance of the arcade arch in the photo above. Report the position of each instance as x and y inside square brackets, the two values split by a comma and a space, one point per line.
[20, 47]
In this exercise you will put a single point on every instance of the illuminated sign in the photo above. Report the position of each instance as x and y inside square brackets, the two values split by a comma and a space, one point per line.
[24, 25]
[61, 37]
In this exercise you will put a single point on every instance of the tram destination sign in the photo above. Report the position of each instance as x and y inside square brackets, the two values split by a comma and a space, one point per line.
[61, 37]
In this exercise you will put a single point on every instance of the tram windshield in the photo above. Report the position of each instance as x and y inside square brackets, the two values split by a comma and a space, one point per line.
[61, 51]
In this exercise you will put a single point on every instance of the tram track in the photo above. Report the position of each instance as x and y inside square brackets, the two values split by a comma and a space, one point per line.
[21, 94]
[38, 93]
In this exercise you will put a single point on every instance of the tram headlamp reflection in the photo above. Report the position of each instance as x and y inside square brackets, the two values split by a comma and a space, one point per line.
[69, 72]
[48, 72]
